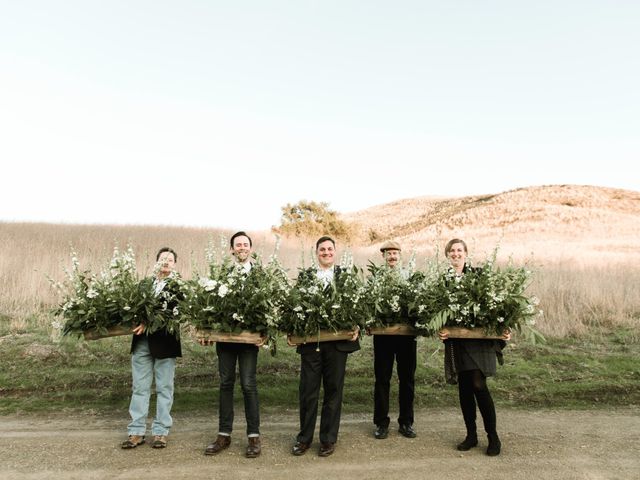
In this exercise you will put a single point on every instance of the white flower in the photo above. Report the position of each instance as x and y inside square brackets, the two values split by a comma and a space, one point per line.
[223, 290]
[92, 293]
[207, 283]
[175, 311]
[126, 307]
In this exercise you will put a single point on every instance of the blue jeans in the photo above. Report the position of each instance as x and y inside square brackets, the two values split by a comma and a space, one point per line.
[143, 369]
[246, 357]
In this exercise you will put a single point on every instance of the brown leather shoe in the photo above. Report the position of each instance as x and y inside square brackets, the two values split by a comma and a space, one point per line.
[300, 448]
[222, 442]
[159, 441]
[133, 441]
[327, 449]
[254, 448]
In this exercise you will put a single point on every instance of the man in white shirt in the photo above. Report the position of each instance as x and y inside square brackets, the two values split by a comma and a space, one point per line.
[246, 356]
[322, 363]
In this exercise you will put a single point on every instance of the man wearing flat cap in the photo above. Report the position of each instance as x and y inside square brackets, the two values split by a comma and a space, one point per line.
[386, 349]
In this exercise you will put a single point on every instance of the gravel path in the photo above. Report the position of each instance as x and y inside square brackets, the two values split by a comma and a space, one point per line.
[536, 445]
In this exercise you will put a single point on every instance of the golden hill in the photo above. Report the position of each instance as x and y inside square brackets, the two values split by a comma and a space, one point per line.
[552, 222]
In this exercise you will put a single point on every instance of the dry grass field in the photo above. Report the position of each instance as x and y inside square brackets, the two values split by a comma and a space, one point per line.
[582, 242]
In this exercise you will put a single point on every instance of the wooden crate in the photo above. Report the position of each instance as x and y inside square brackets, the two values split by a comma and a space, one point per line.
[243, 337]
[394, 329]
[323, 336]
[469, 333]
[116, 331]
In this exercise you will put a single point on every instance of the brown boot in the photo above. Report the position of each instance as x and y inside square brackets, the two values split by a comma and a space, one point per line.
[222, 442]
[133, 441]
[254, 448]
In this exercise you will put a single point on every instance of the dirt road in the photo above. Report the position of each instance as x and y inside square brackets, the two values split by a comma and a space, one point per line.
[536, 445]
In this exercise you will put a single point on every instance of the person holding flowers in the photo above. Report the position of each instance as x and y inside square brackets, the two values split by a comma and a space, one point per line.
[153, 356]
[386, 349]
[322, 362]
[470, 362]
[246, 356]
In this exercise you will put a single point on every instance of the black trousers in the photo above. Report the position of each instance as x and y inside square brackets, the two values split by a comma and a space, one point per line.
[386, 349]
[326, 367]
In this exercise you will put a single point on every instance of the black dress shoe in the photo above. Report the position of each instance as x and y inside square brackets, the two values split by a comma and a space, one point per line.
[494, 445]
[300, 448]
[468, 443]
[381, 432]
[407, 431]
[327, 449]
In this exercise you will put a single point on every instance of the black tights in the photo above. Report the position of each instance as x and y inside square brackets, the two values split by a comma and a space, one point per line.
[472, 388]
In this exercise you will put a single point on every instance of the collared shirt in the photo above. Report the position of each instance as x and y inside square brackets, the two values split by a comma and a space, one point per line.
[326, 275]
[158, 285]
[245, 267]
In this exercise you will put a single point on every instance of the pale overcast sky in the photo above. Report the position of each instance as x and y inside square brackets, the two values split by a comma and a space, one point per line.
[217, 113]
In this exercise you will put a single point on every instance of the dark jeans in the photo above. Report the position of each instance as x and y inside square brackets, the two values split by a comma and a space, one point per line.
[386, 348]
[247, 359]
[327, 367]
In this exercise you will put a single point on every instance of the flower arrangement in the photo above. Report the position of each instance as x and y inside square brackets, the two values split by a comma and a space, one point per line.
[389, 292]
[489, 297]
[313, 305]
[229, 299]
[161, 303]
[99, 302]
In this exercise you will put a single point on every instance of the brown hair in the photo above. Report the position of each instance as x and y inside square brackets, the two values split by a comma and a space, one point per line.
[324, 239]
[167, 249]
[452, 242]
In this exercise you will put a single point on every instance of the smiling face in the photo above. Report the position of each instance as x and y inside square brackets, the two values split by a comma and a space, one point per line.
[326, 253]
[167, 262]
[457, 256]
[241, 248]
[391, 256]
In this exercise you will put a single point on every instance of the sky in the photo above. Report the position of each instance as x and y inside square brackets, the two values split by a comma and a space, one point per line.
[218, 113]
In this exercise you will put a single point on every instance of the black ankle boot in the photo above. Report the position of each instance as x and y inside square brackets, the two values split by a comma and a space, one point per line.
[468, 443]
[494, 445]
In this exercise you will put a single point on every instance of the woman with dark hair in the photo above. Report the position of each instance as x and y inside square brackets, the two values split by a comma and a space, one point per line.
[468, 362]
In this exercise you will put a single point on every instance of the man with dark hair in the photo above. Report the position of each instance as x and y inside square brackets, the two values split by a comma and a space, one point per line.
[153, 355]
[246, 356]
[386, 348]
[324, 363]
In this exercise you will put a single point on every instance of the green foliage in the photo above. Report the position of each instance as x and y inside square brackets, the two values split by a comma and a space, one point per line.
[115, 297]
[313, 305]
[161, 310]
[77, 376]
[389, 291]
[308, 219]
[228, 299]
[489, 297]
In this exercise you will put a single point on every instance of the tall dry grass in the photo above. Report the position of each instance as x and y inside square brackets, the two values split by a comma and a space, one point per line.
[575, 296]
